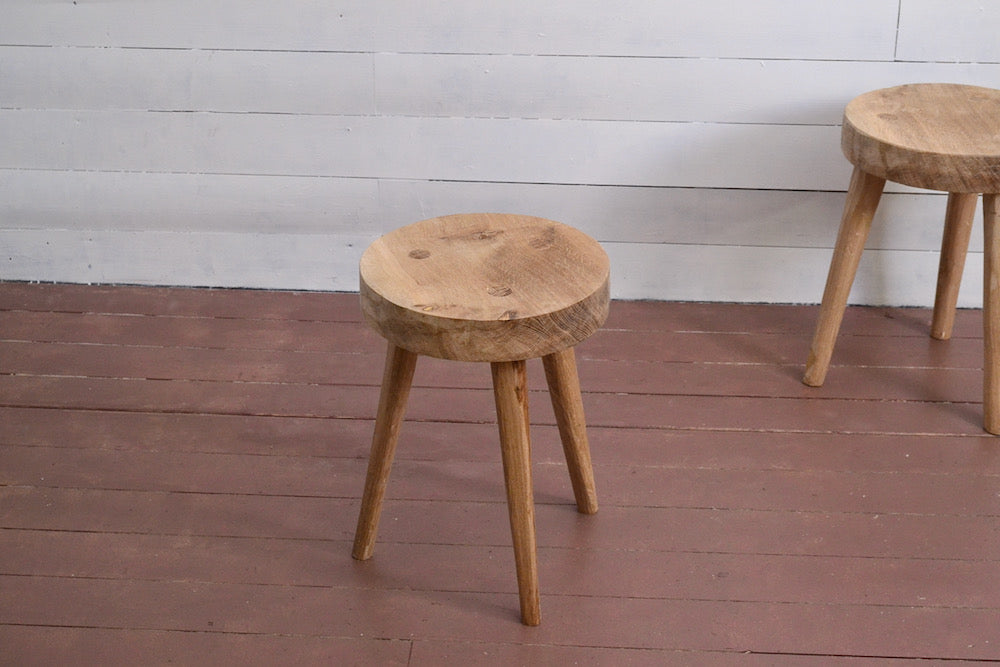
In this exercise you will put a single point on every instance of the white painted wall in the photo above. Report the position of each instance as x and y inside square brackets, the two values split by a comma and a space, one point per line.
[264, 144]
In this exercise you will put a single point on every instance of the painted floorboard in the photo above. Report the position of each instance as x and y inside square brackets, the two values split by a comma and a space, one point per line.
[180, 472]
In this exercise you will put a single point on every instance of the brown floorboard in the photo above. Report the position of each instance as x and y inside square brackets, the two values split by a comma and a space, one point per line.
[180, 472]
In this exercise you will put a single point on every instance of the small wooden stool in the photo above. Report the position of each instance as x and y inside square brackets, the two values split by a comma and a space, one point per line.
[940, 137]
[496, 288]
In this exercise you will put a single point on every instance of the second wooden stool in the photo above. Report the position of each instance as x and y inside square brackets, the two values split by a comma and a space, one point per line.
[940, 137]
[491, 288]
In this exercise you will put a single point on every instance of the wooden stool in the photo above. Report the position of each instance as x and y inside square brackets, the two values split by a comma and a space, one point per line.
[496, 288]
[935, 136]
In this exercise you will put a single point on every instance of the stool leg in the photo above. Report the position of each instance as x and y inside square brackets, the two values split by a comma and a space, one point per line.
[954, 246]
[567, 403]
[991, 313]
[862, 199]
[396, 381]
[510, 389]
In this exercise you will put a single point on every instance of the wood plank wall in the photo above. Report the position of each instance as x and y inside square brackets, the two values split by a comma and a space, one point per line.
[263, 144]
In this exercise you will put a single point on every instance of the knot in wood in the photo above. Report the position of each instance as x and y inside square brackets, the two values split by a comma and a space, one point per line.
[544, 240]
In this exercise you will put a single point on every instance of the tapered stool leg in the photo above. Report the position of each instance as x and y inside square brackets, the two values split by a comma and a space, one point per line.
[510, 389]
[991, 313]
[863, 196]
[567, 403]
[396, 382]
[954, 246]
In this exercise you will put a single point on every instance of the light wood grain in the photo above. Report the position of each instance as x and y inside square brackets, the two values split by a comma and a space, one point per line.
[396, 382]
[954, 247]
[935, 136]
[500, 288]
[862, 200]
[510, 389]
[991, 313]
[485, 287]
[567, 404]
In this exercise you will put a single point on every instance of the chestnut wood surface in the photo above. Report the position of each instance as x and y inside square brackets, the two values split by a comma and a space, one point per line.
[500, 288]
[396, 381]
[863, 196]
[935, 136]
[991, 313]
[567, 405]
[510, 391]
[958, 218]
[485, 287]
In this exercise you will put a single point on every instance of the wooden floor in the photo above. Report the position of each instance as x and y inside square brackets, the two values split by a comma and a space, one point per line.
[180, 472]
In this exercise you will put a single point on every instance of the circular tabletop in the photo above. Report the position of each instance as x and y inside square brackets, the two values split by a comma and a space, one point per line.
[937, 136]
[485, 287]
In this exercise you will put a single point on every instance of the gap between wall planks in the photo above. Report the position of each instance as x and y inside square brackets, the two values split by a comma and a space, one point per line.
[181, 471]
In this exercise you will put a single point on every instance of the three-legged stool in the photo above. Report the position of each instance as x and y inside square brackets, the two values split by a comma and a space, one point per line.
[939, 137]
[492, 288]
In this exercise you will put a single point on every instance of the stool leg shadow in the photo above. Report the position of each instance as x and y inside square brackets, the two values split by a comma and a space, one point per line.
[396, 382]
[567, 403]
[510, 389]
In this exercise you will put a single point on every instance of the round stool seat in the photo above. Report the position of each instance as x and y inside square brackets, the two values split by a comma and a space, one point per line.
[485, 287]
[936, 136]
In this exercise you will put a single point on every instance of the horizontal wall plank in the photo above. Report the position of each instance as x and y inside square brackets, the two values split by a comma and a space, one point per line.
[130, 201]
[949, 30]
[849, 30]
[265, 81]
[329, 262]
[779, 218]
[227, 24]
[668, 89]
[133, 201]
[777, 275]
[855, 29]
[533, 151]
[489, 86]
[310, 261]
